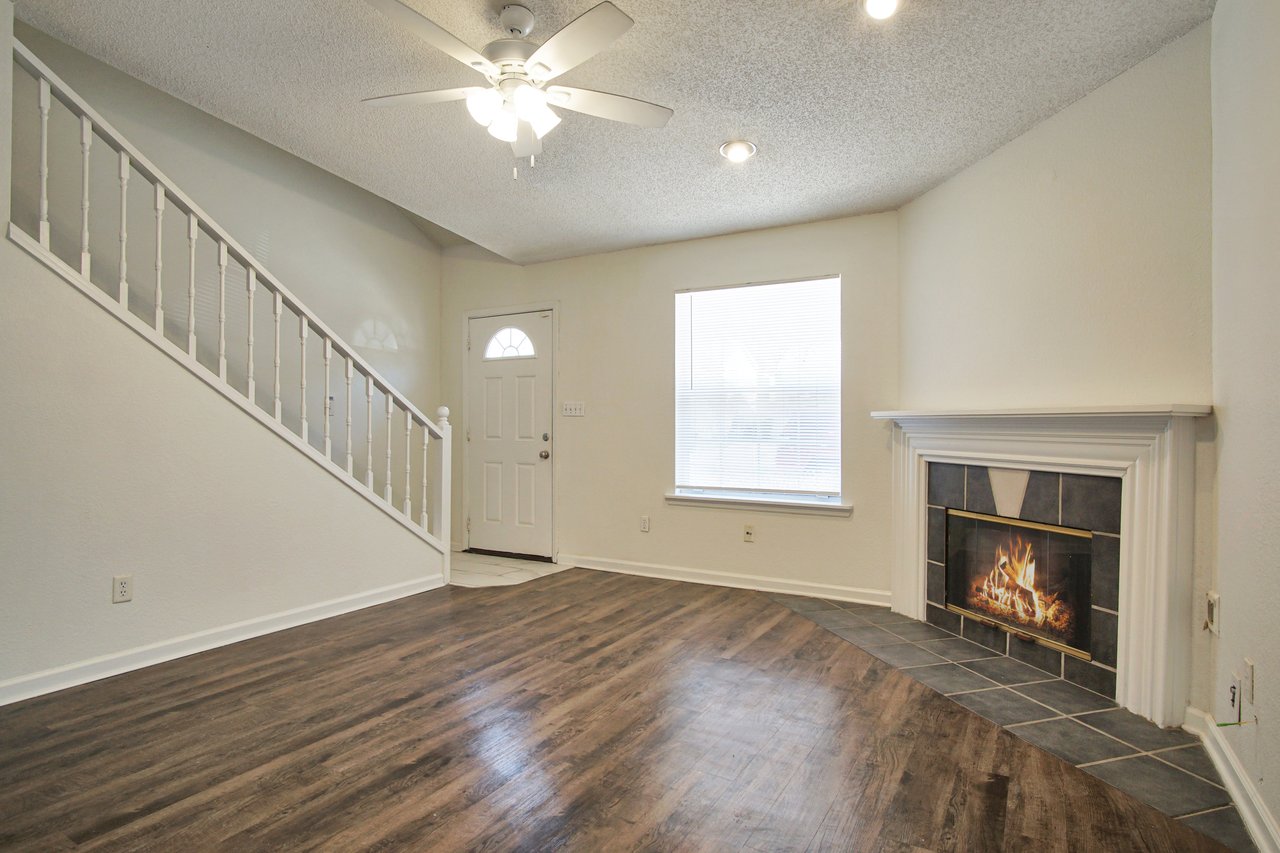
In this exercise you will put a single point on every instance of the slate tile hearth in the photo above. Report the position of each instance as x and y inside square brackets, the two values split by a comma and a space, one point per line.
[1165, 768]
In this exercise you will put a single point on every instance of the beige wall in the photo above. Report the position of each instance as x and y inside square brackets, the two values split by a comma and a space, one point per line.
[1246, 354]
[1071, 266]
[616, 353]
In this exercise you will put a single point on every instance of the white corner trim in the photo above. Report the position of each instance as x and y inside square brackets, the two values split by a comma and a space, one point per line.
[93, 669]
[1258, 819]
[1150, 449]
[759, 504]
[879, 597]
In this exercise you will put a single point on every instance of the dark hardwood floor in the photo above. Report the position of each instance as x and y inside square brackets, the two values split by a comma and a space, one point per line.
[583, 711]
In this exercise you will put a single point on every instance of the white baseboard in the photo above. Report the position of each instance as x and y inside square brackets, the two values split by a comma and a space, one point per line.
[1253, 810]
[680, 573]
[82, 672]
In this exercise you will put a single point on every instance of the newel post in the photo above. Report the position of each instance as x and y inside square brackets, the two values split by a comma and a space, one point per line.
[442, 524]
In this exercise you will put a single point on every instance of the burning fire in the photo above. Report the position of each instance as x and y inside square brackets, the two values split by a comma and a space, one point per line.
[1009, 590]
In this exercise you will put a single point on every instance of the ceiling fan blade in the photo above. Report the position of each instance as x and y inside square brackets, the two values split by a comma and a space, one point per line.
[606, 105]
[433, 34]
[527, 143]
[437, 96]
[580, 39]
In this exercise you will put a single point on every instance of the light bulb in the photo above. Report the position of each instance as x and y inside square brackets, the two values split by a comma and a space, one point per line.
[484, 105]
[738, 151]
[543, 121]
[880, 9]
[505, 125]
[529, 102]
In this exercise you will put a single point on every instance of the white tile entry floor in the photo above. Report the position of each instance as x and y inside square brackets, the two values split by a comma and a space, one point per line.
[475, 570]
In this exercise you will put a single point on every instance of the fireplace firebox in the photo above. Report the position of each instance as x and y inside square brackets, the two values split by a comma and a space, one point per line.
[1029, 579]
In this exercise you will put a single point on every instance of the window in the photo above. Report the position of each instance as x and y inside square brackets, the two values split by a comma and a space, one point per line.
[509, 342]
[758, 393]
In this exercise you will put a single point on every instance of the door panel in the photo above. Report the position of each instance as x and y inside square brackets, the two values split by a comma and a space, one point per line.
[508, 428]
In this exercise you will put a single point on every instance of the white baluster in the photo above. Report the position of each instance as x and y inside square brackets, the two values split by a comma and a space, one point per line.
[426, 442]
[350, 466]
[386, 490]
[252, 285]
[222, 311]
[368, 431]
[86, 141]
[46, 100]
[124, 230]
[279, 307]
[441, 524]
[159, 258]
[408, 455]
[328, 400]
[303, 328]
[193, 229]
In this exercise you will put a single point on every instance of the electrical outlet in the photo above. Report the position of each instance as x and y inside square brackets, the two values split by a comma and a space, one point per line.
[1213, 613]
[1235, 697]
[1248, 681]
[573, 410]
[748, 533]
[644, 524]
[121, 589]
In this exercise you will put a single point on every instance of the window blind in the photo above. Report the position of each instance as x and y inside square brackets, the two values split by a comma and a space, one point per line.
[758, 389]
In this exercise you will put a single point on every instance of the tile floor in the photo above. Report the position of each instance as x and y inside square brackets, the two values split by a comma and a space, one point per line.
[1165, 768]
[474, 570]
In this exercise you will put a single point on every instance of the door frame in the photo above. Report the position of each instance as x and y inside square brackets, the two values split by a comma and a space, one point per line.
[553, 306]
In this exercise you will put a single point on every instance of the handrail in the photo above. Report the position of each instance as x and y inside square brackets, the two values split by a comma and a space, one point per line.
[116, 140]
[433, 525]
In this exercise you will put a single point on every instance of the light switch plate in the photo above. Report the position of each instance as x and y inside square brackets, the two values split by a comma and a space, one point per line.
[573, 410]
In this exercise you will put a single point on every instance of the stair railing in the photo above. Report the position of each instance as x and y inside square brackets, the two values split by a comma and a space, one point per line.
[402, 418]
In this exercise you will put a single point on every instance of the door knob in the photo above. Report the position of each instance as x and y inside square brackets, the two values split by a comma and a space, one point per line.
[546, 454]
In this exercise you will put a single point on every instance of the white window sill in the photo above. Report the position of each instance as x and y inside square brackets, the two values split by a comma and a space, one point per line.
[759, 504]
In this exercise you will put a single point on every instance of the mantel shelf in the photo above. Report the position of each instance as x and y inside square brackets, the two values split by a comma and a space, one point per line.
[1190, 410]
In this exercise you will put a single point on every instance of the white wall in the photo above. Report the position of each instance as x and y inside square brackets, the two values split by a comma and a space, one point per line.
[616, 353]
[1246, 354]
[1071, 266]
[114, 460]
[355, 259]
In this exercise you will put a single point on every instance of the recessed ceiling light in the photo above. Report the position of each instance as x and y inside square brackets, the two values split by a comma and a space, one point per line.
[879, 9]
[737, 151]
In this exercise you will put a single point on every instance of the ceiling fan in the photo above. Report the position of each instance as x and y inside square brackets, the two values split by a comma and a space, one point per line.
[516, 104]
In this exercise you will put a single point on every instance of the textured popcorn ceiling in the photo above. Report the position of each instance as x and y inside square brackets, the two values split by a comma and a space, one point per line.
[850, 116]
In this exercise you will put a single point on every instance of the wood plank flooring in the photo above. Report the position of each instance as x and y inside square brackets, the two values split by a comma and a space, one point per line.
[582, 711]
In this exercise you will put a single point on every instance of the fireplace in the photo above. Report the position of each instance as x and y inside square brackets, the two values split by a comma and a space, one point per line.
[1030, 579]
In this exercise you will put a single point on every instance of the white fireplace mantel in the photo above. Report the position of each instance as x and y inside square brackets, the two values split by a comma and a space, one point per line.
[1151, 448]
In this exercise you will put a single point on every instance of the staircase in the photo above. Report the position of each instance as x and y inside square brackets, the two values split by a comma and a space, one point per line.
[381, 445]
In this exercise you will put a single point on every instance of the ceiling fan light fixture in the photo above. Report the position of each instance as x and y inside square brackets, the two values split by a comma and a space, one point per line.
[738, 151]
[505, 125]
[544, 121]
[880, 10]
[529, 102]
[484, 106]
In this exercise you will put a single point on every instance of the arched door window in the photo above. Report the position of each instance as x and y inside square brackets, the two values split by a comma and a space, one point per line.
[509, 342]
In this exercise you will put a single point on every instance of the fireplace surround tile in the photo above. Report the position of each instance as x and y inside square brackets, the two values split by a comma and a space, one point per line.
[937, 544]
[1041, 500]
[992, 638]
[1104, 578]
[944, 619]
[978, 494]
[936, 583]
[1103, 626]
[1089, 676]
[946, 484]
[1041, 657]
[1091, 503]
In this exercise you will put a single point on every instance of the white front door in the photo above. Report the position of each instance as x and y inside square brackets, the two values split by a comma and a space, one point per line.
[508, 429]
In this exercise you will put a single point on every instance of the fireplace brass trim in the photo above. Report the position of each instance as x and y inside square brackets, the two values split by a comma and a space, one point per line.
[1022, 635]
[1017, 522]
